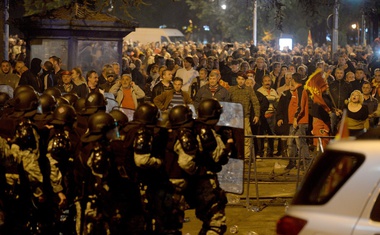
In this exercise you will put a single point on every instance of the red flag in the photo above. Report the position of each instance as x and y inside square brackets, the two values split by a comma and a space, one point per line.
[316, 85]
[309, 39]
[343, 131]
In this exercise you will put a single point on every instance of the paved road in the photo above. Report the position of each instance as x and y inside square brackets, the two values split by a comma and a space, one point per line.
[262, 211]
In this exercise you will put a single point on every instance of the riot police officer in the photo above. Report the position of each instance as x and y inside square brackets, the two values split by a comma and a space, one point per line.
[210, 199]
[95, 102]
[47, 104]
[8, 123]
[101, 195]
[179, 163]
[71, 97]
[4, 97]
[53, 91]
[147, 157]
[123, 151]
[23, 188]
[120, 117]
[61, 151]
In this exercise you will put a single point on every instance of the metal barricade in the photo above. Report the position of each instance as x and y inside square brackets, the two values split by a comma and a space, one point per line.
[252, 161]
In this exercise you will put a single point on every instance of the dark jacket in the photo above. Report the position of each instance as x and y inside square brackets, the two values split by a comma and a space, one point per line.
[357, 84]
[30, 77]
[340, 91]
[159, 89]
[107, 86]
[81, 90]
[221, 94]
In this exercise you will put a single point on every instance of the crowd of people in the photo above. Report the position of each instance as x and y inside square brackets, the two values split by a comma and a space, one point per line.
[72, 165]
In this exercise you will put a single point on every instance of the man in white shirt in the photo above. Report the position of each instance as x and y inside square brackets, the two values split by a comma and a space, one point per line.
[267, 125]
[187, 73]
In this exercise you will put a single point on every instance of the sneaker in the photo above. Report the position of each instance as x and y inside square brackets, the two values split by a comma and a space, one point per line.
[290, 166]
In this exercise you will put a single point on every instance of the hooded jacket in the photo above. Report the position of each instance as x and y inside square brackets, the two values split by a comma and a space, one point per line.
[31, 77]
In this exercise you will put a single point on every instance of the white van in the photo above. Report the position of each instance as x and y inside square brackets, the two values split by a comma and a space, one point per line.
[148, 35]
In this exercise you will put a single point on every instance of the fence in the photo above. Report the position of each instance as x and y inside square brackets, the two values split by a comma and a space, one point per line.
[252, 162]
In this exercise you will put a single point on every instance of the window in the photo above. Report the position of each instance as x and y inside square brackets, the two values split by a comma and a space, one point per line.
[375, 213]
[164, 39]
[327, 176]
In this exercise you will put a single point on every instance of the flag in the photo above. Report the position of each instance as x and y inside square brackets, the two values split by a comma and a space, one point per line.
[309, 40]
[343, 132]
[316, 85]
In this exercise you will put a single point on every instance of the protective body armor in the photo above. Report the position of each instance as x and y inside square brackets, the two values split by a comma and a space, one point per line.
[207, 138]
[143, 141]
[60, 147]
[25, 135]
[99, 161]
[188, 141]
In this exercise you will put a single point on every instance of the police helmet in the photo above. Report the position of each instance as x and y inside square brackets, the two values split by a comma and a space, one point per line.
[80, 105]
[98, 125]
[95, 101]
[53, 91]
[180, 115]
[22, 88]
[47, 103]
[64, 114]
[71, 97]
[25, 104]
[146, 113]
[62, 100]
[4, 97]
[209, 111]
[120, 117]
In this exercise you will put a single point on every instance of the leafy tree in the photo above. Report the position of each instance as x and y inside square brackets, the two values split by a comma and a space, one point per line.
[293, 17]
[43, 6]
[172, 14]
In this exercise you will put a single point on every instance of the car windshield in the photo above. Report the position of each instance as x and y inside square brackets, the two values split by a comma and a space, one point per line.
[327, 176]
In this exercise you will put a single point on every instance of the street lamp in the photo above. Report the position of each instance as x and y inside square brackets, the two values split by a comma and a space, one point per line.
[356, 26]
[254, 22]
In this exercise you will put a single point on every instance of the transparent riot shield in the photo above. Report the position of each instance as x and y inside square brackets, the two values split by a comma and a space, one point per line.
[128, 112]
[232, 115]
[231, 175]
[111, 102]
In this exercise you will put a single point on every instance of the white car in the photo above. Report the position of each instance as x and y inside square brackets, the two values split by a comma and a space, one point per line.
[340, 194]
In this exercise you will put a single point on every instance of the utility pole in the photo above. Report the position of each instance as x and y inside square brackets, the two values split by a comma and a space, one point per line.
[254, 22]
[5, 30]
[364, 41]
[335, 28]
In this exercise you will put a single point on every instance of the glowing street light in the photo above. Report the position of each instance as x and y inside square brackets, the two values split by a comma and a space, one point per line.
[355, 26]
[224, 6]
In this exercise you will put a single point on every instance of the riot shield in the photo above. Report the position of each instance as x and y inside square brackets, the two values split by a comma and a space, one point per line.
[128, 112]
[232, 115]
[111, 102]
[231, 176]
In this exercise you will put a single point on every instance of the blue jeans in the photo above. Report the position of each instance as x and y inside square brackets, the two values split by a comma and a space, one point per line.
[298, 144]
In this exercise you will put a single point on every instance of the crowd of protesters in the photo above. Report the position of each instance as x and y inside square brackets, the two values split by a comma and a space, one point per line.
[153, 64]
[345, 71]
[298, 92]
